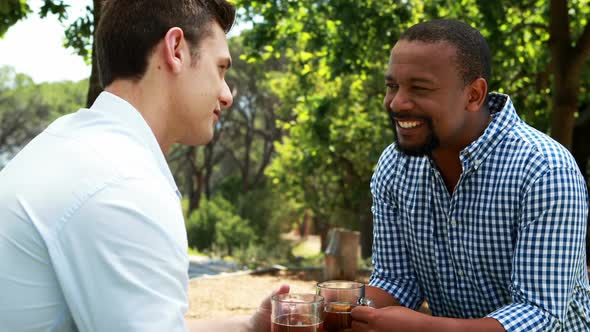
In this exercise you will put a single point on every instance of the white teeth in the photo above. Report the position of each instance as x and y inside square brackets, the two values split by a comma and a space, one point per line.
[408, 124]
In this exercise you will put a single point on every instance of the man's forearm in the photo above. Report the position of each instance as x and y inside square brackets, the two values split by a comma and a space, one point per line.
[379, 297]
[410, 320]
[234, 324]
[443, 324]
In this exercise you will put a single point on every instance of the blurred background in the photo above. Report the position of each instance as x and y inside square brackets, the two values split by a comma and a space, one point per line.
[294, 155]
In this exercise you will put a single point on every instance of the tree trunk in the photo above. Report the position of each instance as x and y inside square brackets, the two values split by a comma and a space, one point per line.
[94, 88]
[567, 64]
[581, 152]
[248, 139]
[562, 117]
[366, 227]
[365, 219]
[195, 197]
[209, 163]
[580, 147]
[194, 177]
[322, 229]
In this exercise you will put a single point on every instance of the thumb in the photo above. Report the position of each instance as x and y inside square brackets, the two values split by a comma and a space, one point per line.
[260, 321]
[283, 289]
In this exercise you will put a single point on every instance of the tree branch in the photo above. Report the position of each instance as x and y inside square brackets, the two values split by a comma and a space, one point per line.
[559, 42]
[267, 154]
[232, 156]
[524, 25]
[582, 49]
[264, 134]
[348, 166]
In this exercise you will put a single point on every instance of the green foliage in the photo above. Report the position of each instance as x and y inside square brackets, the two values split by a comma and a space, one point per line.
[332, 87]
[246, 226]
[78, 34]
[216, 224]
[27, 108]
[307, 254]
[194, 252]
[366, 264]
[268, 213]
[63, 97]
[237, 156]
[261, 255]
[11, 11]
[324, 160]
[518, 35]
[54, 7]
[330, 98]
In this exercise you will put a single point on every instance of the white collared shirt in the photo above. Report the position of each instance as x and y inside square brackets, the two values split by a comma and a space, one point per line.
[92, 236]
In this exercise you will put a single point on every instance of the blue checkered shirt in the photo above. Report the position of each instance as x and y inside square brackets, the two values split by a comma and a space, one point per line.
[509, 243]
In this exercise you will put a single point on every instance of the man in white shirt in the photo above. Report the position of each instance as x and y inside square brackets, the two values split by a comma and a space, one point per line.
[92, 236]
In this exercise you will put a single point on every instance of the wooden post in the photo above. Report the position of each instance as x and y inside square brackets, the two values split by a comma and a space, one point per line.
[342, 254]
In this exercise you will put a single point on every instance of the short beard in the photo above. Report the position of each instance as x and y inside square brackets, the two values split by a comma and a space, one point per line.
[432, 141]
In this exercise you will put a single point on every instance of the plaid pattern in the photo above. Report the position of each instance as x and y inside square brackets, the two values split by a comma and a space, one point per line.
[509, 243]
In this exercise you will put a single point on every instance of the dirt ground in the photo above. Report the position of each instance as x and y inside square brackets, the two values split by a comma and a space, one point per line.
[238, 295]
[229, 296]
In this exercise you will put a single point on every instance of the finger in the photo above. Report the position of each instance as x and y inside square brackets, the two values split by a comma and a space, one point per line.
[358, 326]
[362, 314]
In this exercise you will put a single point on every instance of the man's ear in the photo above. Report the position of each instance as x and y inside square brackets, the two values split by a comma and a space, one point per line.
[476, 94]
[175, 49]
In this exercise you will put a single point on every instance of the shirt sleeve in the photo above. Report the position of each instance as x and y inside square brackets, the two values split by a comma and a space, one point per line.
[392, 269]
[549, 253]
[121, 260]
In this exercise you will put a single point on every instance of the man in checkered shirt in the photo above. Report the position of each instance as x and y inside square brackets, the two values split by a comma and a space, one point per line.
[475, 212]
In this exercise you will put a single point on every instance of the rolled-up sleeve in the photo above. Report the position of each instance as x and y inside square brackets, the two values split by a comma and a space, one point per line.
[121, 259]
[392, 269]
[549, 253]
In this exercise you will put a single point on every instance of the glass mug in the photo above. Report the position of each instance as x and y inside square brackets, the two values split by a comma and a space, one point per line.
[341, 297]
[297, 313]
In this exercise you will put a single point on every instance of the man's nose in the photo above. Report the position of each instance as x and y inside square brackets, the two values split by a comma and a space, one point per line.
[226, 98]
[399, 101]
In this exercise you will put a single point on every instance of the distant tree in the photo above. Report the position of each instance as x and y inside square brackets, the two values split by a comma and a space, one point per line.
[338, 50]
[88, 24]
[249, 127]
[22, 113]
[542, 49]
[12, 11]
[243, 144]
[78, 35]
[27, 108]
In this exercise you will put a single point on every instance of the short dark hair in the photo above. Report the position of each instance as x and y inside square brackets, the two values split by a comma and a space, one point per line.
[473, 53]
[128, 31]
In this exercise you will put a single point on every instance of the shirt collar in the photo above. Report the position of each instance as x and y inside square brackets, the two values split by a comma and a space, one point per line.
[504, 117]
[121, 110]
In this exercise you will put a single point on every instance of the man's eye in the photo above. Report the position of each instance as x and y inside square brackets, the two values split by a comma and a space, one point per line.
[392, 86]
[421, 89]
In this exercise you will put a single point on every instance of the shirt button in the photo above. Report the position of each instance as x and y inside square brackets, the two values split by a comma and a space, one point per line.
[460, 273]
[454, 222]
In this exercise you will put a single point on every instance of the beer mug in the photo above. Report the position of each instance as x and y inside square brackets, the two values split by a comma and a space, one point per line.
[297, 313]
[340, 298]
